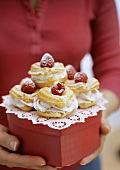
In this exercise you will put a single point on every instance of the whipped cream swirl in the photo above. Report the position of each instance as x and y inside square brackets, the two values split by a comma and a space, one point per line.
[91, 95]
[20, 103]
[43, 107]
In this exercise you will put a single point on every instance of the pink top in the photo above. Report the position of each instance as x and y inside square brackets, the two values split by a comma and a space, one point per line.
[67, 30]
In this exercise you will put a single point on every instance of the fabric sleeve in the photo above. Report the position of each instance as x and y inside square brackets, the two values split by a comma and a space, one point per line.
[105, 49]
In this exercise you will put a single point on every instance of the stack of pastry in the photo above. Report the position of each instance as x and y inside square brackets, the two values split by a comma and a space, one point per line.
[44, 91]
[85, 89]
[57, 101]
[22, 95]
[54, 90]
[46, 72]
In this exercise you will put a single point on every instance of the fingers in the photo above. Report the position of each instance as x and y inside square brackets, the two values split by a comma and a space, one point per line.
[3, 128]
[17, 160]
[105, 127]
[91, 157]
[8, 141]
[11, 159]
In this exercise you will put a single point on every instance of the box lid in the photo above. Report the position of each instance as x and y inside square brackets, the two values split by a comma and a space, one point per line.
[27, 124]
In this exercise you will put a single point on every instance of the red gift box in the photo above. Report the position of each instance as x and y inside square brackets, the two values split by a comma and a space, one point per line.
[59, 148]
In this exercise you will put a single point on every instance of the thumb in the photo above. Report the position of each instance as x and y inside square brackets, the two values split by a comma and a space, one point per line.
[8, 141]
[105, 127]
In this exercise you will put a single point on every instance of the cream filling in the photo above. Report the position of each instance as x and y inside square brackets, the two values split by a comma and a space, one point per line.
[45, 78]
[20, 103]
[43, 107]
[91, 95]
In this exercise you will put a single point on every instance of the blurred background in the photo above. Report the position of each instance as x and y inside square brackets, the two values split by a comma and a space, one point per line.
[110, 156]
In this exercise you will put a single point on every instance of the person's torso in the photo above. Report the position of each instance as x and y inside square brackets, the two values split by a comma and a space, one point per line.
[61, 28]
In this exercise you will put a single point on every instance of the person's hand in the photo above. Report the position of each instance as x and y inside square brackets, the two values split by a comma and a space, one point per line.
[105, 129]
[8, 145]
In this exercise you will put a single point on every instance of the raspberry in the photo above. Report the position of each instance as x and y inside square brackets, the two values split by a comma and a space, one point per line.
[58, 89]
[28, 87]
[47, 61]
[70, 71]
[80, 77]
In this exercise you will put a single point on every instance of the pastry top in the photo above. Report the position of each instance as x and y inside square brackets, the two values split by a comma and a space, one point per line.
[47, 70]
[92, 83]
[23, 94]
[56, 101]
[46, 96]
[16, 93]
[85, 89]
[89, 98]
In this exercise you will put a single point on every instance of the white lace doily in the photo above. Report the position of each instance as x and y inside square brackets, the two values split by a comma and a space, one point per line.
[59, 123]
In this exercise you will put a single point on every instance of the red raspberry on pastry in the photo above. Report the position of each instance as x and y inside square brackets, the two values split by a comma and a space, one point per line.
[47, 61]
[28, 87]
[70, 71]
[58, 89]
[80, 77]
